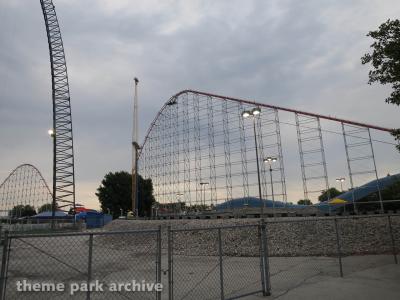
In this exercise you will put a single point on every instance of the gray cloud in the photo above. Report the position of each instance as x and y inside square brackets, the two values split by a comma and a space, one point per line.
[302, 54]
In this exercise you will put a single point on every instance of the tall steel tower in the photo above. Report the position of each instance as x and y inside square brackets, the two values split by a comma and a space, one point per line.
[135, 151]
[63, 147]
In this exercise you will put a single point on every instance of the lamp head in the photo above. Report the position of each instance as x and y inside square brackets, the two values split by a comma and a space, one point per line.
[50, 132]
[270, 159]
[256, 111]
[246, 114]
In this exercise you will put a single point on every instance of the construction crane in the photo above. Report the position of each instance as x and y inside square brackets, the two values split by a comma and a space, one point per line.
[135, 151]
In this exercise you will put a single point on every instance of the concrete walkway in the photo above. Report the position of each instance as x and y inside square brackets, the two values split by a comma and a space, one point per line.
[381, 283]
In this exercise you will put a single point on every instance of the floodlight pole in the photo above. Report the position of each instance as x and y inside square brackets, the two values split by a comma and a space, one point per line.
[203, 192]
[53, 202]
[253, 113]
[258, 169]
[270, 160]
[272, 189]
[341, 180]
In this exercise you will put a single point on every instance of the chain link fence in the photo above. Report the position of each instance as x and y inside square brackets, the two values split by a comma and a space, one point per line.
[300, 250]
[395, 235]
[309, 250]
[211, 263]
[268, 257]
[74, 261]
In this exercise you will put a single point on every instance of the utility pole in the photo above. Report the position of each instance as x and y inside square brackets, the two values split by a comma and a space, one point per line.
[135, 151]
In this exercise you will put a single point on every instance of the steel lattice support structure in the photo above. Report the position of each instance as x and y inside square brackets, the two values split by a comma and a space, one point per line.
[227, 151]
[211, 151]
[243, 151]
[271, 144]
[63, 149]
[197, 151]
[312, 155]
[25, 185]
[200, 151]
[186, 150]
[360, 158]
[175, 143]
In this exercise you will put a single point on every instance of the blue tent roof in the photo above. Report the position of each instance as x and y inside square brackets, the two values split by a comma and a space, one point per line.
[251, 202]
[365, 190]
[357, 194]
[83, 214]
[49, 214]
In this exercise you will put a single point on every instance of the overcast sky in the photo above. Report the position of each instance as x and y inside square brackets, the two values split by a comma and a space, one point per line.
[300, 54]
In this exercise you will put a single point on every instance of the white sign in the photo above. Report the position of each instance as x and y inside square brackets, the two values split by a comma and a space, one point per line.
[93, 286]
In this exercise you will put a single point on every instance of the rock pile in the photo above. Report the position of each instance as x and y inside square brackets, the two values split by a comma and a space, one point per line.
[241, 237]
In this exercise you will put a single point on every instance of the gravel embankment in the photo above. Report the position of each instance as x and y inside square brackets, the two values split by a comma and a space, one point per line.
[286, 237]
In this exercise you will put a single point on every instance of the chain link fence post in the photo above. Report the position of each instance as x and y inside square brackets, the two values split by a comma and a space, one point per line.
[392, 238]
[221, 269]
[89, 265]
[158, 261]
[260, 237]
[170, 265]
[265, 275]
[339, 251]
[4, 262]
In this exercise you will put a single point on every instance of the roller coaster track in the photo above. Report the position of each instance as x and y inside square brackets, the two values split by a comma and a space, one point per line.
[25, 185]
[63, 150]
[244, 101]
[199, 143]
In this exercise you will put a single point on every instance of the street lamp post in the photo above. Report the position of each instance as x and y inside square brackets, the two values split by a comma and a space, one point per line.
[271, 160]
[179, 202]
[341, 180]
[253, 113]
[156, 207]
[52, 134]
[203, 184]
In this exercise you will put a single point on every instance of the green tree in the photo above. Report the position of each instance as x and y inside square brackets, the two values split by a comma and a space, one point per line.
[45, 207]
[115, 192]
[146, 197]
[385, 60]
[21, 210]
[333, 192]
[304, 202]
